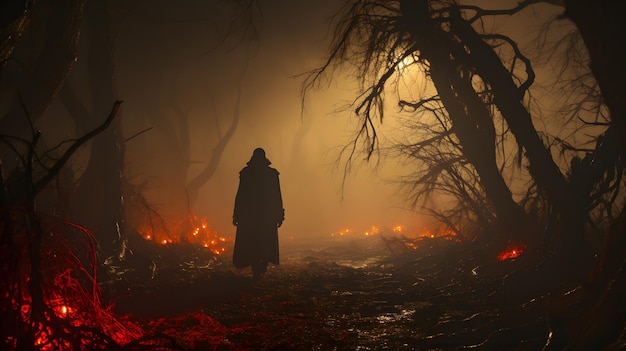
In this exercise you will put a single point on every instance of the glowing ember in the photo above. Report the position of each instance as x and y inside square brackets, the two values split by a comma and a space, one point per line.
[442, 231]
[65, 311]
[342, 232]
[373, 230]
[190, 229]
[512, 251]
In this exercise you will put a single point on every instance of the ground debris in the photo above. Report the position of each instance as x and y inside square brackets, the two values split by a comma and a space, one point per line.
[447, 298]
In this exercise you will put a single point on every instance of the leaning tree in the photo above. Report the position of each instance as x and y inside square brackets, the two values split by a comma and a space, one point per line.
[600, 25]
[474, 125]
[475, 130]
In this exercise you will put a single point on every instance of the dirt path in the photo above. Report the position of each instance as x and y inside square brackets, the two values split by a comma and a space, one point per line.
[347, 298]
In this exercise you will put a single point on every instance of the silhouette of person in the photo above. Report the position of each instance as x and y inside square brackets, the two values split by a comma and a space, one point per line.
[258, 214]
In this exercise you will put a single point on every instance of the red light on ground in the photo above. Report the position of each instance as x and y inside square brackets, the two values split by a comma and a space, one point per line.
[511, 252]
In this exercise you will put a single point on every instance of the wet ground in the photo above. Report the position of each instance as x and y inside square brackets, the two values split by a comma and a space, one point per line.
[354, 295]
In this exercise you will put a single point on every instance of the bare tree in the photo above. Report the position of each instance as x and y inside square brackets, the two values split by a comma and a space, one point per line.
[43, 71]
[97, 202]
[178, 135]
[478, 131]
[481, 107]
[600, 25]
[25, 279]
[194, 185]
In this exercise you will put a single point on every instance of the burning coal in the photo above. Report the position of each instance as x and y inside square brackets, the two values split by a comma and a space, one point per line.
[189, 229]
[512, 251]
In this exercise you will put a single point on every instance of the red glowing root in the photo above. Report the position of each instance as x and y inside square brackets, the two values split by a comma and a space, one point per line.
[49, 292]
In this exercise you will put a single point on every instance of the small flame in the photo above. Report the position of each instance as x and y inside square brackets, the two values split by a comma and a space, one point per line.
[442, 232]
[512, 251]
[191, 229]
[373, 230]
[63, 311]
[342, 232]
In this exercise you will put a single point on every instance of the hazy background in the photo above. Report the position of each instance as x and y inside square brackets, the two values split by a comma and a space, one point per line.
[166, 53]
[167, 60]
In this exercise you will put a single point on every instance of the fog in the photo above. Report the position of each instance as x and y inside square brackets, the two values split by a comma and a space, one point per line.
[179, 70]
[166, 58]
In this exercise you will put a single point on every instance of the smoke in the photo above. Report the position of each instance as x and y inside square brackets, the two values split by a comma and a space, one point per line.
[166, 70]
[181, 88]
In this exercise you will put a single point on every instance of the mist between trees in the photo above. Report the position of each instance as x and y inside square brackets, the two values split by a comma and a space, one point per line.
[503, 123]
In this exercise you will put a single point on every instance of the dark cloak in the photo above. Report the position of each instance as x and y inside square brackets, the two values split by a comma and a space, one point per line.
[258, 213]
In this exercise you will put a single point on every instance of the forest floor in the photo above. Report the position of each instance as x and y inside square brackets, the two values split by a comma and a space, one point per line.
[355, 295]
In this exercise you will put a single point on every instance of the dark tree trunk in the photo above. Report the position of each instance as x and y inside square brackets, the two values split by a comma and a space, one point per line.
[508, 98]
[601, 25]
[478, 146]
[62, 20]
[471, 120]
[569, 202]
[98, 202]
[194, 185]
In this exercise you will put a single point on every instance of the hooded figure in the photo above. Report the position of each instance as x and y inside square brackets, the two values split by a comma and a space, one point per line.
[258, 214]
